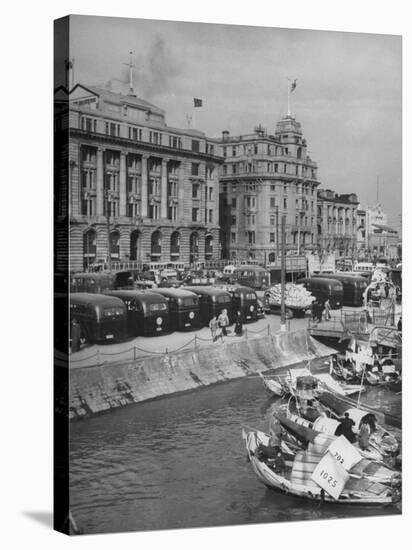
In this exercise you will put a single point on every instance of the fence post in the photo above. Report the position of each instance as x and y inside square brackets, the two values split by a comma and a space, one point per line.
[134, 353]
[98, 356]
[246, 336]
[195, 341]
[268, 329]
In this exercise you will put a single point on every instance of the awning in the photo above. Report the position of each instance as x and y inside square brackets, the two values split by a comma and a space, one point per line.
[384, 228]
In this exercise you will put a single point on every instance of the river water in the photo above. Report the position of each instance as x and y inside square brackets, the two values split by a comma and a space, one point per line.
[180, 462]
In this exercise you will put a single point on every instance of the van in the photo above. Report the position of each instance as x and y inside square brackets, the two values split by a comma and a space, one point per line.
[323, 288]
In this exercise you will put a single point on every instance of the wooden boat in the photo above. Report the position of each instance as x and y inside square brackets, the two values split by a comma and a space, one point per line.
[372, 458]
[297, 480]
[274, 384]
[282, 385]
[382, 438]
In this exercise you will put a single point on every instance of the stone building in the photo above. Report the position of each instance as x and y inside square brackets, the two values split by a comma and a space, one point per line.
[337, 223]
[382, 240]
[361, 238]
[150, 190]
[264, 177]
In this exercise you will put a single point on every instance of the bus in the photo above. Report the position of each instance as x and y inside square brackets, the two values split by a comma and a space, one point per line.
[244, 299]
[101, 281]
[253, 276]
[353, 287]
[212, 302]
[147, 312]
[324, 289]
[101, 318]
[184, 310]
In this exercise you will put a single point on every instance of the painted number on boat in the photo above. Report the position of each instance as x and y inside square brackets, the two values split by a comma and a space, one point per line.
[330, 479]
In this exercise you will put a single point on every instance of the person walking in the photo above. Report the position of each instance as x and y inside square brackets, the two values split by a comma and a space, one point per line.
[213, 325]
[223, 321]
[328, 316]
[238, 324]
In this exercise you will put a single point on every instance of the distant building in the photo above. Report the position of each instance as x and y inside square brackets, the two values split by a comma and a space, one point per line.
[264, 177]
[361, 235]
[150, 190]
[382, 239]
[337, 223]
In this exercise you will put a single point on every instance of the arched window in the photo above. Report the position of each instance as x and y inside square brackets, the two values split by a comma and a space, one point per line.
[174, 246]
[271, 257]
[194, 247]
[209, 247]
[156, 246]
[115, 245]
[89, 248]
[135, 253]
[299, 152]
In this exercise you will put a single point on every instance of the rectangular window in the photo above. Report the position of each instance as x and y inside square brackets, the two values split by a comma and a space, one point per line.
[273, 187]
[284, 168]
[272, 220]
[233, 220]
[195, 145]
[195, 169]
[234, 202]
[225, 169]
[233, 238]
[233, 168]
[255, 148]
[224, 151]
[195, 214]
[276, 167]
[272, 202]
[285, 187]
[233, 151]
[210, 216]
[195, 190]
[210, 193]
[272, 237]
[285, 203]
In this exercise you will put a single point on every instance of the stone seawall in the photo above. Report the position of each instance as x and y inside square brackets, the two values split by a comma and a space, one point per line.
[98, 389]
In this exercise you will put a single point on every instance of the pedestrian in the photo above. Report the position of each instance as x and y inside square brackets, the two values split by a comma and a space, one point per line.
[315, 306]
[213, 325]
[363, 436]
[386, 290]
[238, 324]
[328, 316]
[320, 311]
[275, 431]
[223, 321]
[399, 326]
[75, 336]
[346, 428]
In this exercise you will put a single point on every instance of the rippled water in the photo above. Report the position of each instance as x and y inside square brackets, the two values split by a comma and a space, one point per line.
[180, 462]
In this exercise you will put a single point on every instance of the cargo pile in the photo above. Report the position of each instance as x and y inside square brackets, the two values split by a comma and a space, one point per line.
[296, 296]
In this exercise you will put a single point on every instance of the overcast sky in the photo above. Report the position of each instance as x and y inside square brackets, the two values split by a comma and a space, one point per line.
[348, 94]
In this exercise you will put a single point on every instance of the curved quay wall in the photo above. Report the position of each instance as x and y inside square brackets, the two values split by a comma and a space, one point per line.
[98, 389]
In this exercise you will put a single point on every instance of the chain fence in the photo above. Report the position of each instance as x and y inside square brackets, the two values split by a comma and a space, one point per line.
[101, 357]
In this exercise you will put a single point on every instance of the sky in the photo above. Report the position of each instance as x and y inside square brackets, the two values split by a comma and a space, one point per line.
[348, 93]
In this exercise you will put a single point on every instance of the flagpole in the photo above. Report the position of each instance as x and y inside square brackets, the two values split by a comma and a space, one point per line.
[288, 81]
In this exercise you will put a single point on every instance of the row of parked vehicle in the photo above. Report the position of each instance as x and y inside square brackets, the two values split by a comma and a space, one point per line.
[121, 314]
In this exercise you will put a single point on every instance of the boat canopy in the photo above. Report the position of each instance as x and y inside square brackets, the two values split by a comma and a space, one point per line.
[326, 425]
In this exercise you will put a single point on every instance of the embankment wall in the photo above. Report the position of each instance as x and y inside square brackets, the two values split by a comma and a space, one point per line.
[97, 389]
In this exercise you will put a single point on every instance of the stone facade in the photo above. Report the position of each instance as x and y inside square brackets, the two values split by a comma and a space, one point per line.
[150, 190]
[265, 177]
[337, 223]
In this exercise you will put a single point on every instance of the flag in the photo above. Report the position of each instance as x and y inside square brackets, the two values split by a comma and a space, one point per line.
[197, 102]
[293, 86]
